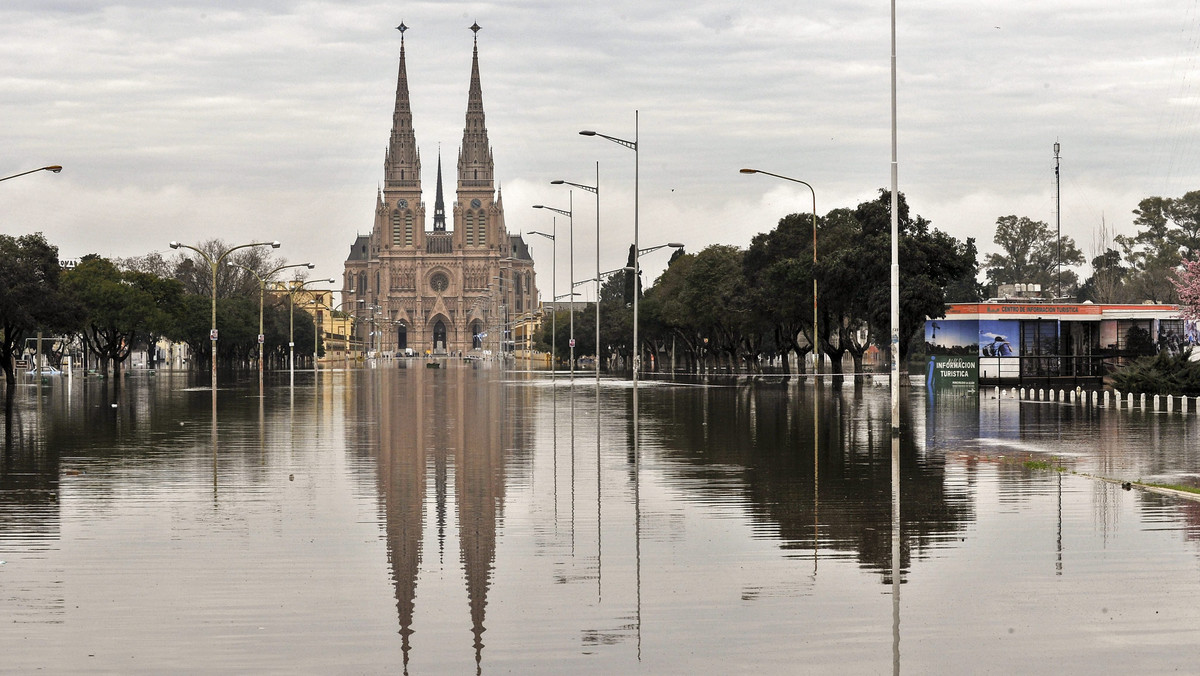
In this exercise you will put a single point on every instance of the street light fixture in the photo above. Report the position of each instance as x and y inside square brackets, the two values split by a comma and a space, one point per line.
[215, 265]
[262, 289]
[673, 245]
[816, 332]
[292, 289]
[594, 189]
[553, 281]
[52, 168]
[333, 326]
[569, 213]
[632, 145]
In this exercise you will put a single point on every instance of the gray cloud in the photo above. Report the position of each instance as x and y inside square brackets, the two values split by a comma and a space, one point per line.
[269, 119]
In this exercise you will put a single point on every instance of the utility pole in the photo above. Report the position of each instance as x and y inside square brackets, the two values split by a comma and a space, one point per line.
[1057, 226]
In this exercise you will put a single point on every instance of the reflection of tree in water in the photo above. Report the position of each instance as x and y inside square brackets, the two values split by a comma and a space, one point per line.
[29, 516]
[767, 435]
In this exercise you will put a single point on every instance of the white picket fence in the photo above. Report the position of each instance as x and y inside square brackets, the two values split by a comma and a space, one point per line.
[1102, 398]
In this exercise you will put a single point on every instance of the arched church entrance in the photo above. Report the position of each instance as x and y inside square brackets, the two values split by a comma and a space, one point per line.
[401, 337]
[476, 335]
[439, 337]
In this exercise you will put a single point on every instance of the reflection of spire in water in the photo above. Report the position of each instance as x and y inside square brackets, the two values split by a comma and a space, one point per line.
[479, 484]
[402, 485]
[439, 469]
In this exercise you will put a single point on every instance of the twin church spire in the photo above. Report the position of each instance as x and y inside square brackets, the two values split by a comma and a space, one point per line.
[402, 166]
[402, 171]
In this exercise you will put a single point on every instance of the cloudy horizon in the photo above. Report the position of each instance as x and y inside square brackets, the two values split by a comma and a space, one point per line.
[268, 120]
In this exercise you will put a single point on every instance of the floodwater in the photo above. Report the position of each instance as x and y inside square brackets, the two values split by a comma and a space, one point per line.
[472, 519]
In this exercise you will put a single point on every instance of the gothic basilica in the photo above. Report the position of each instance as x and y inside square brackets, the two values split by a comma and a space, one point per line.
[441, 291]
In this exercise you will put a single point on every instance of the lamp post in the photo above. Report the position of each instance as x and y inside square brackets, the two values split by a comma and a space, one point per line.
[38, 364]
[52, 168]
[354, 325]
[895, 270]
[816, 331]
[375, 310]
[215, 265]
[333, 326]
[568, 212]
[632, 145]
[262, 289]
[600, 276]
[292, 289]
[594, 189]
[553, 281]
[318, 306]
[1057, 226]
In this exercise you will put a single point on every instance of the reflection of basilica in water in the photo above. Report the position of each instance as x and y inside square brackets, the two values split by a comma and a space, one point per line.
[448, 446]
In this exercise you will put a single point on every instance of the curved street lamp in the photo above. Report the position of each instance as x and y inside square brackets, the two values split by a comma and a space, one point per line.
[346, 334]
[816, 338]
[215, 265]
[553, 310]
[594, 189]
[262, 290]
[673, 245]
[292, 289]
[632, 145]
[54, 168]
[569, 213]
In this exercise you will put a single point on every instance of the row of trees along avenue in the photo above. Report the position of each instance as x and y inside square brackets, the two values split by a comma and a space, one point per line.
[115, 306]
[1127, 268]
[736, 307]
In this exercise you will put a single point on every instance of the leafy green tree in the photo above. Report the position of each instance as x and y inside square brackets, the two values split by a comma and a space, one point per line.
[847, 257]
[930, 262]
[1184, 213]
[1031, 253]
[717, 294]
[121, 310]
[778, 269]
[1108, 281]
[1168, 233]
[616, 316]
[30, 297]
[663, 311]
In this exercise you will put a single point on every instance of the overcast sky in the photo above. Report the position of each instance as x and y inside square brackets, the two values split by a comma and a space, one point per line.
[268, 119]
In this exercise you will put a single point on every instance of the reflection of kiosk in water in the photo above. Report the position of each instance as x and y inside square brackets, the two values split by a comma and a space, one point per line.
[1032, 341]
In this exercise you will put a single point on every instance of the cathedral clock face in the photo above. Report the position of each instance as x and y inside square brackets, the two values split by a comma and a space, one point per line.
[438, 282]
[403, 204]
[475, 203]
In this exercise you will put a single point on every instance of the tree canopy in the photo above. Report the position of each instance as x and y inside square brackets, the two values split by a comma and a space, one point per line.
[30, 297]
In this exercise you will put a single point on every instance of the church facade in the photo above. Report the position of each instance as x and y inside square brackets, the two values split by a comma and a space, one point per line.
[438, 291]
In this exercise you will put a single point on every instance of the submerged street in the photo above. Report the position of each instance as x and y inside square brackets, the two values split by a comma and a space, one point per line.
[474, 519]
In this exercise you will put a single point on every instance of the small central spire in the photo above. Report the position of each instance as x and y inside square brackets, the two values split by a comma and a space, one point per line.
[439, 206]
